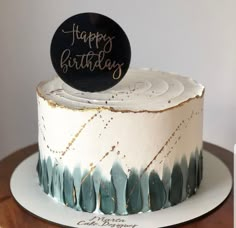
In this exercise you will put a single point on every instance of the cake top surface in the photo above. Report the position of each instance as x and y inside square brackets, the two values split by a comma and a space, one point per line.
[140, 90]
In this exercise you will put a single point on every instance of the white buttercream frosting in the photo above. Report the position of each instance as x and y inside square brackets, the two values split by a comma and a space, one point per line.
[140, 90]
[99, 137]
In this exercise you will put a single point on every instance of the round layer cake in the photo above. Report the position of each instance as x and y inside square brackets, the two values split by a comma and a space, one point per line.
[136, 147]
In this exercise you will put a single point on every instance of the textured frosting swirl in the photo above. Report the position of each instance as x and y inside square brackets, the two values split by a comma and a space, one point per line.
[140, 90]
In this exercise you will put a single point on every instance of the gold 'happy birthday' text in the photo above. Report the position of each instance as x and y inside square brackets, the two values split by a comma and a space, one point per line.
[91, 60]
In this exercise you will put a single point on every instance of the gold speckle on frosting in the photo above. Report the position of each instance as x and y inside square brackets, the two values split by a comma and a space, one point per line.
[140, 91]
[100, 160]
[183, 123]
[74, 138]
[79, 132]
[166, 143]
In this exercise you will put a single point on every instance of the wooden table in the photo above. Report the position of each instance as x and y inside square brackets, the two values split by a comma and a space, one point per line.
[13, 215]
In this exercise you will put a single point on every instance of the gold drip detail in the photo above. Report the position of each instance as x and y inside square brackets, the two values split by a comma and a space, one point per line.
[183, 123]
[100, 160]
[71, 142]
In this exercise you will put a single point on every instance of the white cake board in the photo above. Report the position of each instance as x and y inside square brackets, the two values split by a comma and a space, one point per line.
[215, 187]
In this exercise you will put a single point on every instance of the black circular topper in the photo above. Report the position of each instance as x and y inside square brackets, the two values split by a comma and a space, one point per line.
[90, 52]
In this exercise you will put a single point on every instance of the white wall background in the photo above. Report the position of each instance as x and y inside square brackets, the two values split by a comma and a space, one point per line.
[193, 38]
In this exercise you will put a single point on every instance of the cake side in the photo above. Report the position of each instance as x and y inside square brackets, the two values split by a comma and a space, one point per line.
[120, 162]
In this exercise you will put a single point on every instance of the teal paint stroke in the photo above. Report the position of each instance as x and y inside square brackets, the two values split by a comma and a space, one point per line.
[176, 185]
[108, 197]
[144, 191]
[119, 180]
[157, 192]
[133, 193]
[121, 194]
[88, 195]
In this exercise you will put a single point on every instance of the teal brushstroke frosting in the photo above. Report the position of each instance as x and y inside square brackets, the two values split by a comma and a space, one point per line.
[184, 170]
[68, 188]
[61, 174]
[199, 160]
[77, 183]
[200, 163]
[108, 197]
[133, 193]
[120, 194]
[157, 192]
[56, 183]
[176, 185]
[49, 169]
[45, 177]
[119, 180]
[96, 183]
[145, 191]
[197, 167]
[192, 180]
[166, 179]
[39, 169]
[87, 195]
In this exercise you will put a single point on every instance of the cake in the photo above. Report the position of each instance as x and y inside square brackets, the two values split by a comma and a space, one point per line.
[136, 147]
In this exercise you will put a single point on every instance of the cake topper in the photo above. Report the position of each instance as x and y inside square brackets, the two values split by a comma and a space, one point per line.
[90, 52]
